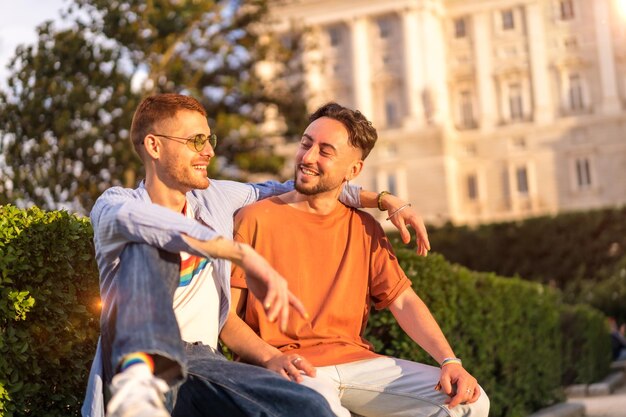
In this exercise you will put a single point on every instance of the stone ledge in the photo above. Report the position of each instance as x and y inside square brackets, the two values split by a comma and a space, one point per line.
[576, 391]
[608, 384]
[619, 365]
[605, 387]
[599, 389]
[561, 410]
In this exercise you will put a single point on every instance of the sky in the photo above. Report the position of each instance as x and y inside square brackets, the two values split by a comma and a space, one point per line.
[18, 22]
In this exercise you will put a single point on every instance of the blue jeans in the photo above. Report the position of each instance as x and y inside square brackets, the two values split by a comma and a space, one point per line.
[140, 317]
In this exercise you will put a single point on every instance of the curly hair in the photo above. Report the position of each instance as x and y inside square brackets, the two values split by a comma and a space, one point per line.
[361, 133]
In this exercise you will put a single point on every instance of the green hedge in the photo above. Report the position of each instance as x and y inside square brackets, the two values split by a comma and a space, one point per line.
[545, 249]
[509, 332]
[585, 336]
[574, 251]
[48, 312]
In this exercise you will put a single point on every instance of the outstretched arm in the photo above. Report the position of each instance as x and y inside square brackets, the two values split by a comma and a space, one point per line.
[417, 321]
[263, 280]
[401, 214]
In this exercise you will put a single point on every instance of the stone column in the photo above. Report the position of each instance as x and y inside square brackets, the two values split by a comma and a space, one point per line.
[606, 59]
[430, 18]
[563, 89]
[543, 109]
[483, 63]
[413, 68]
[313, 62]
[381, 179]
[361, 66]
[401, 182]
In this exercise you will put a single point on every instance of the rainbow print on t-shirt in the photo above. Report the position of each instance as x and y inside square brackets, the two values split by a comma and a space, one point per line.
[190, 267]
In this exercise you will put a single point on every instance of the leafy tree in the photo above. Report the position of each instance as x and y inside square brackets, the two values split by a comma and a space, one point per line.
[65, 119]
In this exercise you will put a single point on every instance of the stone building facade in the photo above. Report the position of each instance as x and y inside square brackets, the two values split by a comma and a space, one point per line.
[487, 110]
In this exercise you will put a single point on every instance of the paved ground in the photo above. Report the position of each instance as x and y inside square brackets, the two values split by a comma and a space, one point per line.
[613, 405]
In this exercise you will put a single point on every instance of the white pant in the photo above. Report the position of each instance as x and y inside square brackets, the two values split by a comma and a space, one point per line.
[388, 387]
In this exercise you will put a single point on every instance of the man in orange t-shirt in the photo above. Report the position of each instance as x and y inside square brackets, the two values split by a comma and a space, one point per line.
[338, 261]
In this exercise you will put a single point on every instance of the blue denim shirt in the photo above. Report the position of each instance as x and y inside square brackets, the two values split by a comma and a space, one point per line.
[123, 215]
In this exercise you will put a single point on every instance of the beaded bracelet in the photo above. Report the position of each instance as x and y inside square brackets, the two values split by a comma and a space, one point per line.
[379, 199]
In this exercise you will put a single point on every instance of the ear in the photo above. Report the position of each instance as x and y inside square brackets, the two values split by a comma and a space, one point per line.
[354, 170]
[152, 146]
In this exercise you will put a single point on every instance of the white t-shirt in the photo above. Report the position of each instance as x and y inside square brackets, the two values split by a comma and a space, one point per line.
[197, 301]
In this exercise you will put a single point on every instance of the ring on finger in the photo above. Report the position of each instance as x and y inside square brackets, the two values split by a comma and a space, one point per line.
[296, 360]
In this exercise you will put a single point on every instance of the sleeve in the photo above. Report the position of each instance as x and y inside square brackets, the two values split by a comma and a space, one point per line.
[242, 224]
[238, 194]
[271, 188]
[119, 218]
[351, 196]
[387, 279]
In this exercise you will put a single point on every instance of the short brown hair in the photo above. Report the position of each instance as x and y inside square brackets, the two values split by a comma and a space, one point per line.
[154, 109]
[361, 133]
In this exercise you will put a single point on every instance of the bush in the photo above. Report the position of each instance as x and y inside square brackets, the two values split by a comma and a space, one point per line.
[572, 251]
[606, 292]
[586, 335]
[508, 332]
[48, 311]
[547, 249]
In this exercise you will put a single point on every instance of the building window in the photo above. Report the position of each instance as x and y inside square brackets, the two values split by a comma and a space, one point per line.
[567, 9]
[466, 110]
[391, 114]
[583, 173]
[576, 101]
[472, 187]
[384, 28]
[515, 101]
[334, 34]
[460, 30]
[508, 21]
[522, 180]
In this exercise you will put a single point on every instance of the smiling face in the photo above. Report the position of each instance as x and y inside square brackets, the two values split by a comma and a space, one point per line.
[325, 159]
[178, 166]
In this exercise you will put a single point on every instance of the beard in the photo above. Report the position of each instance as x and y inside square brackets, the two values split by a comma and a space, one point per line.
[184, 176]
[310, 190]
[323, 185]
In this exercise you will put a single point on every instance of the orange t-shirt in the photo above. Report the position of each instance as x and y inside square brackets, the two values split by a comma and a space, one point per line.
[336, 264]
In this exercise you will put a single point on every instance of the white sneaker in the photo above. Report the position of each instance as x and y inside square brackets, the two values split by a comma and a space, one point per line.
[137, 393]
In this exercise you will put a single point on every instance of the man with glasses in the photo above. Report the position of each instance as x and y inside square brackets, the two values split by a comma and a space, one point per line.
[164, 251]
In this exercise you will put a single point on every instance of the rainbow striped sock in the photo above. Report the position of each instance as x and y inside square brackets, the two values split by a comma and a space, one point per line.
[137, 358]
